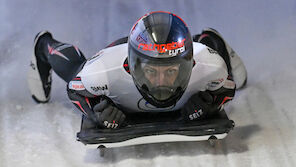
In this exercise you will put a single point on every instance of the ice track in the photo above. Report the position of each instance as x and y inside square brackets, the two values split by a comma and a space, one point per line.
[263, 33]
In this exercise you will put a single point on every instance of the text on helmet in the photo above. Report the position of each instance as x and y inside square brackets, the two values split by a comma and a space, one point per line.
[173, 48]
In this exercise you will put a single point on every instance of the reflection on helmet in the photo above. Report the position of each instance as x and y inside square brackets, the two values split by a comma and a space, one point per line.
[160, 57]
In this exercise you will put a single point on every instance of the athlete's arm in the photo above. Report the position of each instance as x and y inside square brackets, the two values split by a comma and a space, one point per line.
[81, 98]
[100, 109]
[219, 90]
[223, 94]
[222, 87]
[205, 104]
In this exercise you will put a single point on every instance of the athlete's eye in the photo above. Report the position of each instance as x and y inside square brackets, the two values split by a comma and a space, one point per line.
[171, 72]
[149, 71]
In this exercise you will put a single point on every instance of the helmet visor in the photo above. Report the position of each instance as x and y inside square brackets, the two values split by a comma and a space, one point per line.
[159, 78]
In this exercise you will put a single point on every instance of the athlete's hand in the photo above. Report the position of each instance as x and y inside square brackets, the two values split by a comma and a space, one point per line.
[198, 107]
[108, 116]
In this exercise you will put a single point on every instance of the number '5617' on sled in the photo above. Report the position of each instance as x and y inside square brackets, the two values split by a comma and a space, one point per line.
[155, 128]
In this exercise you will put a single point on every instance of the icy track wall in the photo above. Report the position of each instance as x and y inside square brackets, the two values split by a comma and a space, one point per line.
[262, 32]
[252, 28]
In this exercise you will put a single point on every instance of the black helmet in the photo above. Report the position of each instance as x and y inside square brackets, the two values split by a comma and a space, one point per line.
[160, 59]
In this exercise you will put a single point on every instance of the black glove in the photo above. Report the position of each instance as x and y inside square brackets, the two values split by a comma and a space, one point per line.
[108, 116]
[199, 106]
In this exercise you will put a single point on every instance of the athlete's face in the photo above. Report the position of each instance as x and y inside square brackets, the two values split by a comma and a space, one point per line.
[161, 75]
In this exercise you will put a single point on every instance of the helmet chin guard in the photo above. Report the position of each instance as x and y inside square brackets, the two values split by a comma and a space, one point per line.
[172, 100]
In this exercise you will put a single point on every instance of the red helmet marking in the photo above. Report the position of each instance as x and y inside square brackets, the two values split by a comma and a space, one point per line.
[161, 48]
[160, 12]
[181, 19]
